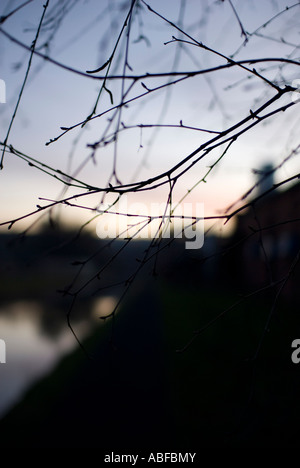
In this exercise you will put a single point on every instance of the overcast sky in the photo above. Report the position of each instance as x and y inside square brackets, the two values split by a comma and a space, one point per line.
[85, 37]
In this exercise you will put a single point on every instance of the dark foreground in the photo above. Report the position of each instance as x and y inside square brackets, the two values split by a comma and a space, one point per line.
[137, 393]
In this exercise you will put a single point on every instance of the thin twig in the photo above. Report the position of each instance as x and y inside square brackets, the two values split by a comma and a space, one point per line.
[24, 81]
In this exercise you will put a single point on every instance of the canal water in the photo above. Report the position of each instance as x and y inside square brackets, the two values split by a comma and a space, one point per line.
[35, 340]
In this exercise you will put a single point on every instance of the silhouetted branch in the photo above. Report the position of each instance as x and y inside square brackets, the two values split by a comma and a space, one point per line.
[120, 87]
[25, 79]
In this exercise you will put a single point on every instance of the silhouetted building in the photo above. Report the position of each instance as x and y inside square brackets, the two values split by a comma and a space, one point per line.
[269, 236]
[265, 178]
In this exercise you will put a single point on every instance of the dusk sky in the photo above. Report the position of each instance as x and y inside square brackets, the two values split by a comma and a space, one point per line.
[85, 37]
[174, 121]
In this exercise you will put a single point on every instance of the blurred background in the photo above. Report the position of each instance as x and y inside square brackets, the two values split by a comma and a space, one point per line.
[115, 338]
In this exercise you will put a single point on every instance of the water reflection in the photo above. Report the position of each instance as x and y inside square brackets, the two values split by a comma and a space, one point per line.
[36, 339]
[35, 273]
[103, 306]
